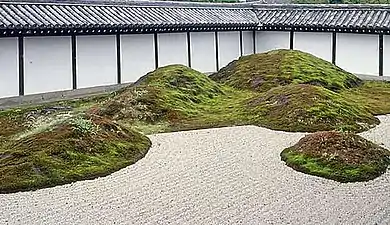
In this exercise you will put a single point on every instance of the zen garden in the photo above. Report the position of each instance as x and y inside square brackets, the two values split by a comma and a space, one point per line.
[283, 90]
[191, 113]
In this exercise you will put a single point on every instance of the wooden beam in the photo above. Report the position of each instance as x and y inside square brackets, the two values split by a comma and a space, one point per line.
[291, 40]
[189, 49]
[118, 59]
[334, 44]
[74, 62]
[381, 55]
[217, 50]
[21, 64]
[155, 50]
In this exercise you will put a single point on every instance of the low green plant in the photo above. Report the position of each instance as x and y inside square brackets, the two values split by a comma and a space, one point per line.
[83, 126]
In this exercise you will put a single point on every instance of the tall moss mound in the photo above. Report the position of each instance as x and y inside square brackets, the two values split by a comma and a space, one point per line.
[70, 149]
[170, 92]
[308, 108]
[343, 157]
[264, 71]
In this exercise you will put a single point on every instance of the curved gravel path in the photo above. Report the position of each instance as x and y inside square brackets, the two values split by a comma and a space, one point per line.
[215, 176]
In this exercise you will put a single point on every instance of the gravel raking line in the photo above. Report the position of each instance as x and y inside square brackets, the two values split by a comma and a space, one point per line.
[216, 176]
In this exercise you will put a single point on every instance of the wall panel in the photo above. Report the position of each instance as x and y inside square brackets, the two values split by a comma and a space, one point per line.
[172, 49]
[316, 43]
[47, 64]
[247, 42]
[229, 47]
[96, 61]
[358, 53]
[203, 56]
[386, 55]
[9, 64]
[137, 56]
[271, 40]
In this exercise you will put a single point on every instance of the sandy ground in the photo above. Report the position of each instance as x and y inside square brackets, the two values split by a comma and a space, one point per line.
[216, 176]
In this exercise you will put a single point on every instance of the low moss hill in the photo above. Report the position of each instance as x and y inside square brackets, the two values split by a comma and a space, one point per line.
[71, 149]
[183, 98]
[308, 108]
[169, 92]
[264, 71]
[343, 157]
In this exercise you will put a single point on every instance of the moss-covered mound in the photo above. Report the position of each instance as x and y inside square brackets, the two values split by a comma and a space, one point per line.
[303, 107]
[168, 93]
[66, 149]
[264, 71]
[343, 157]
[374, 95]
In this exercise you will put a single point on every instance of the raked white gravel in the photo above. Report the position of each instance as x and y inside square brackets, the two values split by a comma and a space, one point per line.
[216, 176]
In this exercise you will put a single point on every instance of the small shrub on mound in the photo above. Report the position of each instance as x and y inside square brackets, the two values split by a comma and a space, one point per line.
[308, 108]
[167, 93]
[343, 157]
[264, 71]
[76, 148]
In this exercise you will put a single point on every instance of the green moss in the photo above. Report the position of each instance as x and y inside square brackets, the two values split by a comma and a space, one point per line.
[17, 120]
[178, 98]
[264, 71]
[373, 95]
[62, 142]
[77, 149]
[309, 108]
[338, 156]
[168, 93]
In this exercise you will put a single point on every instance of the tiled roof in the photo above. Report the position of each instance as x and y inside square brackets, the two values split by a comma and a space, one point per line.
[94, 14]
[45, 17]
[342, 17]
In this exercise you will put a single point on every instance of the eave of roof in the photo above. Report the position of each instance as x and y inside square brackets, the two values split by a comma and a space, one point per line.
[340, 18]
[64, 17]
[101, 17]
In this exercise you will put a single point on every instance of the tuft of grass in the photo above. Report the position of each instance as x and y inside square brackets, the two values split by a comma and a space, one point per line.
[261, 72]
[343, 157]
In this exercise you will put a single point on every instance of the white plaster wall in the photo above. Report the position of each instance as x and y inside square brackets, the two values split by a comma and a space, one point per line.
[247, 43]
[172, 49]
[386, 55]
[271, 40]
[9, 64]
[316, 43]
[358, 53]
[137, 56]
[203, 57]
[47, 64]
[96, 61]
[228, 47]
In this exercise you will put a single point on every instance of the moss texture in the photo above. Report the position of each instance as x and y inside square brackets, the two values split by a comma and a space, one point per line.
[170, 93]
[373, 95]
[77, 148]
[303, 107]
[263, 71]
[344, 157]
[61, 142]
[176, 97]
